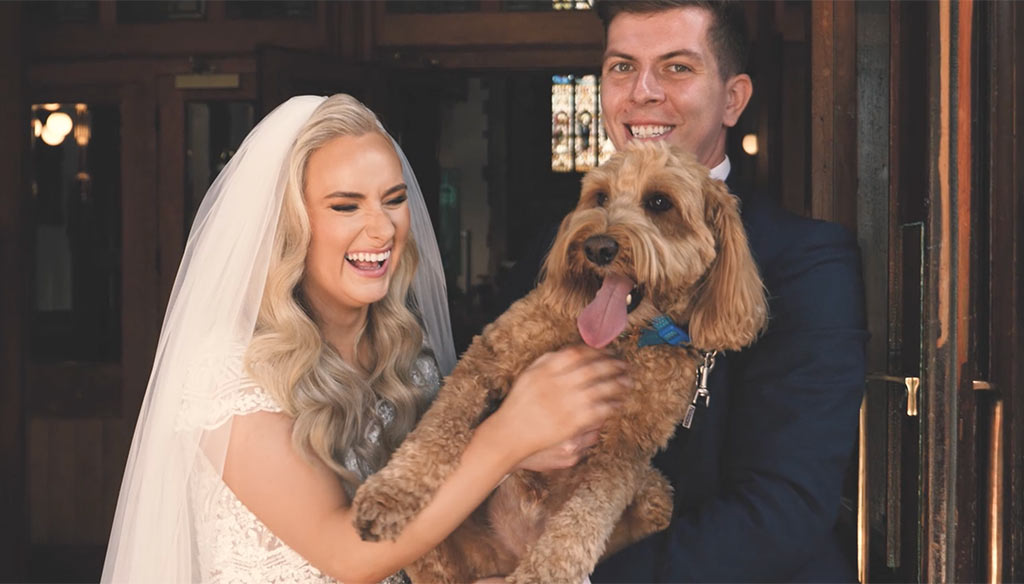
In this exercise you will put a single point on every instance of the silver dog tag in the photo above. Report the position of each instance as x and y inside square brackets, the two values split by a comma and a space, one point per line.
[688, 418]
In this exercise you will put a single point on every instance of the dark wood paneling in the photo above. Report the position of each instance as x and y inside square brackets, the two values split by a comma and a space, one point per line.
[877, 250]
[938, 389]
[834, 112]
[969, 286]
[66, 482]
[794, 153]
[555, 59]
[1006, 300]
[109, 39]
[488, 29]
[142, 304]
[908, 198]
[66, 563]
[13, 140]
[949, 441]
[76, 390]
[83, 74]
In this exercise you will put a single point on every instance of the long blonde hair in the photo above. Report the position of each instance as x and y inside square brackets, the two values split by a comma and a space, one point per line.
[334, 404]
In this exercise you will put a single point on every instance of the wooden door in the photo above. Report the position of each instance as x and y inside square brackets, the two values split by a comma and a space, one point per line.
[939, 222]
[88, 297]
[203, 118]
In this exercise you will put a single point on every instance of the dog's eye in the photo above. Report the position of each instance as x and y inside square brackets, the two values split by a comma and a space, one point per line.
[601, 198]
[658, 202]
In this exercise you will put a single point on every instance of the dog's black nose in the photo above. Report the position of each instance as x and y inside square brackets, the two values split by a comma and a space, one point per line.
[600, 249]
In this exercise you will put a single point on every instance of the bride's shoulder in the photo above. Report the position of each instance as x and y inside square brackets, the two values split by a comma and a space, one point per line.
[217, 388]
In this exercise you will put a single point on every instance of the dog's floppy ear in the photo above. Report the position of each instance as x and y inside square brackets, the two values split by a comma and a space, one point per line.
[730, 309]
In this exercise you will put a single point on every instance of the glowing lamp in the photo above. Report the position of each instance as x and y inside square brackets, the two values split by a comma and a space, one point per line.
[51, 137]
[60, 123]
[750, 144]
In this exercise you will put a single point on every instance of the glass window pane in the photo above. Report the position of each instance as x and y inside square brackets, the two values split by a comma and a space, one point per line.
[545, 5]
[578, 137]
[77, 11]
[213, 132]
[561, 123]
[271, 9]
[572, 4]
[129, 11]
[585, 147]
[76, 211]
[432, 6]
[604, 143]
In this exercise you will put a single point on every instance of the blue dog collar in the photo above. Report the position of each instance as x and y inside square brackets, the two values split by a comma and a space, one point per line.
[665, 332]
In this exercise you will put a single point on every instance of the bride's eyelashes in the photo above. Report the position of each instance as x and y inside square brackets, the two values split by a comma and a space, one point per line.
[393, 202]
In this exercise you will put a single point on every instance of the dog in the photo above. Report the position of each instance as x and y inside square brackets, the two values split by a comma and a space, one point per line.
[652, 238]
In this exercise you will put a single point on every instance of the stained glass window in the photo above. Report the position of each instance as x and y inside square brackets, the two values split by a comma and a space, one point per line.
[572, 4]
[578, 139]
[545, 5]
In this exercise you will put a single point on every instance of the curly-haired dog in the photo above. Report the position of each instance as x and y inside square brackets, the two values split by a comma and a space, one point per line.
[652, 236]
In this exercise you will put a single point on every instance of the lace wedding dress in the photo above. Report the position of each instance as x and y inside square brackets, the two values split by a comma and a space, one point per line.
[234, 546]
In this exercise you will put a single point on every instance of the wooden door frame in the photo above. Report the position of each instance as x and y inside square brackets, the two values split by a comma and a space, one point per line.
[13, 134]
[973, 296]
[1005, 39]
[171, 162]
[115, 411]
[949, 405]
[834, 112]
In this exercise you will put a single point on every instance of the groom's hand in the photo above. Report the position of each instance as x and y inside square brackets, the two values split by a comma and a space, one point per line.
[563, 455]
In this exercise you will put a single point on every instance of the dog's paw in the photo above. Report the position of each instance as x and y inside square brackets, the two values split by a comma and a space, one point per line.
[653, 505]
[382, 510]
[548, 567]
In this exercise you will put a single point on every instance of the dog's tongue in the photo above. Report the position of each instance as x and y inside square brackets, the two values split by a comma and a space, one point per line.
[604, 318]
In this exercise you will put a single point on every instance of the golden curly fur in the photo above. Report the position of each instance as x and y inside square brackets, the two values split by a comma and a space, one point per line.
[677, 235]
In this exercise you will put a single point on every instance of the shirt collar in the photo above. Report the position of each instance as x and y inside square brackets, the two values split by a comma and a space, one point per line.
[721, 172]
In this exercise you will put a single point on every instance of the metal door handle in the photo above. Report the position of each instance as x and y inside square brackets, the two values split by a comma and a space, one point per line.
[996, 470]
[910, 383]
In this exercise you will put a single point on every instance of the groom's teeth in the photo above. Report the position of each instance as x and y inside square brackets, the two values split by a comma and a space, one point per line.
[648, 131]
[629, 299]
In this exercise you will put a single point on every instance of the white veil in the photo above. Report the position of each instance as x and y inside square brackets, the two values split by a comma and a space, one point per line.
[211, 314]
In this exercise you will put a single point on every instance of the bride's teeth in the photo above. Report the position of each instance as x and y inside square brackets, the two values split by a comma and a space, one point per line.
[648, 131]
[629, 299]
[368, 257]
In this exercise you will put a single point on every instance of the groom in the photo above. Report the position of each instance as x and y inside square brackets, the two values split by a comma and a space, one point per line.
[759, 475]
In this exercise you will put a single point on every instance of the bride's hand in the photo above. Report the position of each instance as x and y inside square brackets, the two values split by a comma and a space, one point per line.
[559, 402]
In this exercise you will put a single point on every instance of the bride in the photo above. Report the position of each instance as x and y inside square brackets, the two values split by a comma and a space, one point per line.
[300, 346]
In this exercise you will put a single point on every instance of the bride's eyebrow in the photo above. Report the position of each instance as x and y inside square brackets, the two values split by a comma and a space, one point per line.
[345, 195]
[359, 196]
[397, 188]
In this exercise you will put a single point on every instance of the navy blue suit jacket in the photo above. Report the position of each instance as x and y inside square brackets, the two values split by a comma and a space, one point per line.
[758, 478]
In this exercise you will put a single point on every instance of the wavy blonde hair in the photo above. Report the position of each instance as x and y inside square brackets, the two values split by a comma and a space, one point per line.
[334, 404]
